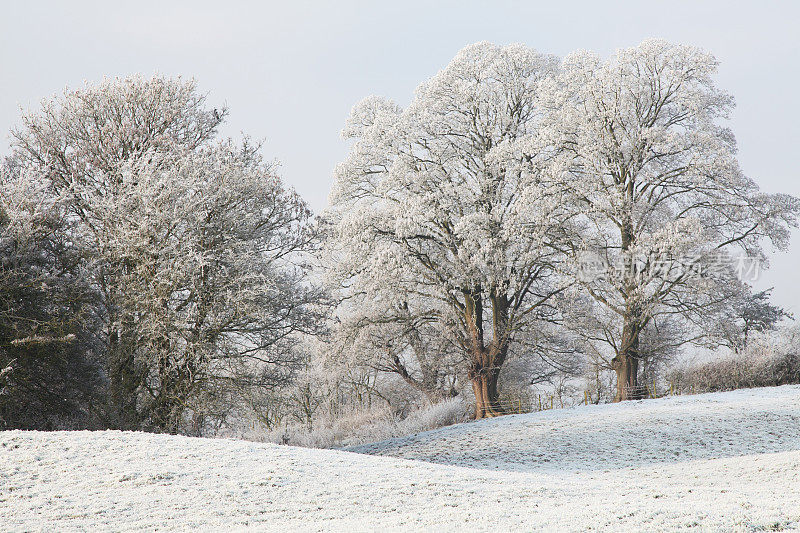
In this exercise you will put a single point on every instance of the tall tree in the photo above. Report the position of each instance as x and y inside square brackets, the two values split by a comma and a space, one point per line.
[428, 215]
[208, 251]
[75, 144]
[195, 248]
[653, 173]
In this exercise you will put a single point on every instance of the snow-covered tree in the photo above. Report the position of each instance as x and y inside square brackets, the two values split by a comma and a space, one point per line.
[639, 145]
[393, 340]
[49, 374]
[193, 246]
[75, 144]
[429, 223]
[206, 250]
[747, 313]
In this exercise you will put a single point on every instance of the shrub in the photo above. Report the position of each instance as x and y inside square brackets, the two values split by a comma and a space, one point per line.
[769, 360]
[365, 425]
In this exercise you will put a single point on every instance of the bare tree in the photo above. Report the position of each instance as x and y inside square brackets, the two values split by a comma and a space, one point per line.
[747, 313]
[393, 340]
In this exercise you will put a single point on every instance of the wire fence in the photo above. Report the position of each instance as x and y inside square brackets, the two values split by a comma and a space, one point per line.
[541, 402]
[544, 402]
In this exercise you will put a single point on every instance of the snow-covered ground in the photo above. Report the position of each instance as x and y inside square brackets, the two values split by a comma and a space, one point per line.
[728, 461]
[612, 436]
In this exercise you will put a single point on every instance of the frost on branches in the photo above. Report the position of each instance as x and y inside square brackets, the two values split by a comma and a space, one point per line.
[195, 248]
[47, 376]
[473, 211]
[436, 231]
[206, 249]
[655, 183]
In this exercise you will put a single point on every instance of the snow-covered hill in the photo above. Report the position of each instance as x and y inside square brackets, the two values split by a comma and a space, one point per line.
[728, 461]
[613, 436]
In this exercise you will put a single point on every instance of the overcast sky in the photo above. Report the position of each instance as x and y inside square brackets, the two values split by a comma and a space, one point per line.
[290, 71]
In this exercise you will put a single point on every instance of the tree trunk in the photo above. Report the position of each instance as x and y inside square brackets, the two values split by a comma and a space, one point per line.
[124, 384]
[484, 386]
[626, 363]
[627, 369]
[486, 359]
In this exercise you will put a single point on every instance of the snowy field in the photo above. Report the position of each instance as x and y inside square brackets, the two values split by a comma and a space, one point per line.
[718, 462]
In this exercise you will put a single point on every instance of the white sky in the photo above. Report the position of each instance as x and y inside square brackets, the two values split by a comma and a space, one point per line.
[290, 71]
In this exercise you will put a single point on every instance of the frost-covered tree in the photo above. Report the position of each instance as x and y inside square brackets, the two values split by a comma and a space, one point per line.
[747, 313]
[207, 249]
[429, 224]
[194, 247]
[639, 145]
[49, 372]
[74, 145]
[394, 340]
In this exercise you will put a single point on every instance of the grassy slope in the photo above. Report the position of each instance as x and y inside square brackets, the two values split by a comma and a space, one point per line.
[721, 461]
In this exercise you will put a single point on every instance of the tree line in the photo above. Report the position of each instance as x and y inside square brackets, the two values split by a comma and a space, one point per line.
[523, 214]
